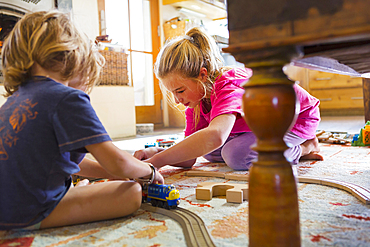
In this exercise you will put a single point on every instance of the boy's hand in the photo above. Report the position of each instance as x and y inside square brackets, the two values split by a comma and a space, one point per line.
[158, 178]
[146, 153]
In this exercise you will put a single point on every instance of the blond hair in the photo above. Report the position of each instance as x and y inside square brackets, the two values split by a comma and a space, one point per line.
[185, 56]
[51, 40]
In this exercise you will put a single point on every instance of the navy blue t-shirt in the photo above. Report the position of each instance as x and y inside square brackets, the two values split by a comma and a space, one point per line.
[44, 128]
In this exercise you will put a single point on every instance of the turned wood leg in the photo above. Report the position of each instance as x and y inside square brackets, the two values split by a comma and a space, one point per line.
[366, 92]
[270, 107]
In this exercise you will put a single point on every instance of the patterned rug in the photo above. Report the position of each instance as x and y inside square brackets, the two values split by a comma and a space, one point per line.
[328, 216]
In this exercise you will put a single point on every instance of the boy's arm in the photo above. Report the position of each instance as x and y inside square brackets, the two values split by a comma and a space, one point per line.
[199, 143]
[91, 168]
[119, 163]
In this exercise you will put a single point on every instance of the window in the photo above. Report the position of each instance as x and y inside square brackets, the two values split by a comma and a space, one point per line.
[128, 23]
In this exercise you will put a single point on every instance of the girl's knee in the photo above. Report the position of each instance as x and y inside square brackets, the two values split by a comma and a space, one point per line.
[213, 158]
[237, 153]
[237, 162]
[239, 166]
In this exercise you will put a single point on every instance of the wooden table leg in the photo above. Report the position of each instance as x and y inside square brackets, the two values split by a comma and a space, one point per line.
[270, 105]
[366, 92]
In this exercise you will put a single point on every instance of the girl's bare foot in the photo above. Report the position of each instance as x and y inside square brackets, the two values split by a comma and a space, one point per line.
[310, 150]
[83, 182]
[312, 156]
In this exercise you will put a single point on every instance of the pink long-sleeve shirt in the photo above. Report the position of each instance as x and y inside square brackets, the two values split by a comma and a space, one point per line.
[226, 98]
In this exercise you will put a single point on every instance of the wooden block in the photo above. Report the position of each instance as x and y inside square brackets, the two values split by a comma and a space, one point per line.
[235, 193]
[318, 133]
[207, 190]
[203, 194]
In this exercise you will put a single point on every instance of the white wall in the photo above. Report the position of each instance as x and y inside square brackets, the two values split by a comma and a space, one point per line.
[86, 16]
[115, 107]
[2, 98]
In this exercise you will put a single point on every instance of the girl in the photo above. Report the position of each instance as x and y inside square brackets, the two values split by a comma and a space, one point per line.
[191, 69]
[46, 127]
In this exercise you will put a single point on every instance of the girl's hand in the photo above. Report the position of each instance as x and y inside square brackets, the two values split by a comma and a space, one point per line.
[146, 153]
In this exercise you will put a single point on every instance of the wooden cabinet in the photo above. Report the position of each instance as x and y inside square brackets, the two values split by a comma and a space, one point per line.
[338, 94]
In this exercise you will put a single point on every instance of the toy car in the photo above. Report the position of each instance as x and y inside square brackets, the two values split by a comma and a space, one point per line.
[164, 143]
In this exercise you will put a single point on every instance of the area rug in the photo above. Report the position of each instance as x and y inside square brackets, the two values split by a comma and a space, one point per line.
[328, 216]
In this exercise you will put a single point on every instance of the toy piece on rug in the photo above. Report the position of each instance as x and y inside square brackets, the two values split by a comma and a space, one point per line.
[334, 137]
[161, 195]
[163, 142]
[363, 138]
[235, 193]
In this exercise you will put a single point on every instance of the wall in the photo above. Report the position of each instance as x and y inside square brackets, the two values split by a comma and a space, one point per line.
[86, 17]
[115, 107]
[2, 98]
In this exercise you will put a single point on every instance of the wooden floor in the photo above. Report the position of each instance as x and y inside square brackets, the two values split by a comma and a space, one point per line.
[131, 144]
[350, 124]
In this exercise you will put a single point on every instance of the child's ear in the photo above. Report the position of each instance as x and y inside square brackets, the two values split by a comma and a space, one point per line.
[203, 74]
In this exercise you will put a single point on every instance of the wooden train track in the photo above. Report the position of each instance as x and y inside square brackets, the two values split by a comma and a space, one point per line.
[195, 231]
[357, 191]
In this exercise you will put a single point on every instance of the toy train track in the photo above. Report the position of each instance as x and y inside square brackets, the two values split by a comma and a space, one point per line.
[361, 193]
[195, 231]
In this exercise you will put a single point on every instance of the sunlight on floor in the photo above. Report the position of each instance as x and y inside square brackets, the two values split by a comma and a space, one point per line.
[350, 124]
[133, 144]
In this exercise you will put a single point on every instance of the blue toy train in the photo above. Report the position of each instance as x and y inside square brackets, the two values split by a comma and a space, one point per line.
[161, 195]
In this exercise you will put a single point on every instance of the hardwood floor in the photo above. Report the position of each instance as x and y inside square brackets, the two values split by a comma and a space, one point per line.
[350, 124]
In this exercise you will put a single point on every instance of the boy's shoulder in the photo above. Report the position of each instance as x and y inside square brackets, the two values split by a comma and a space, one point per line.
[46, 87]
[48, 93]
